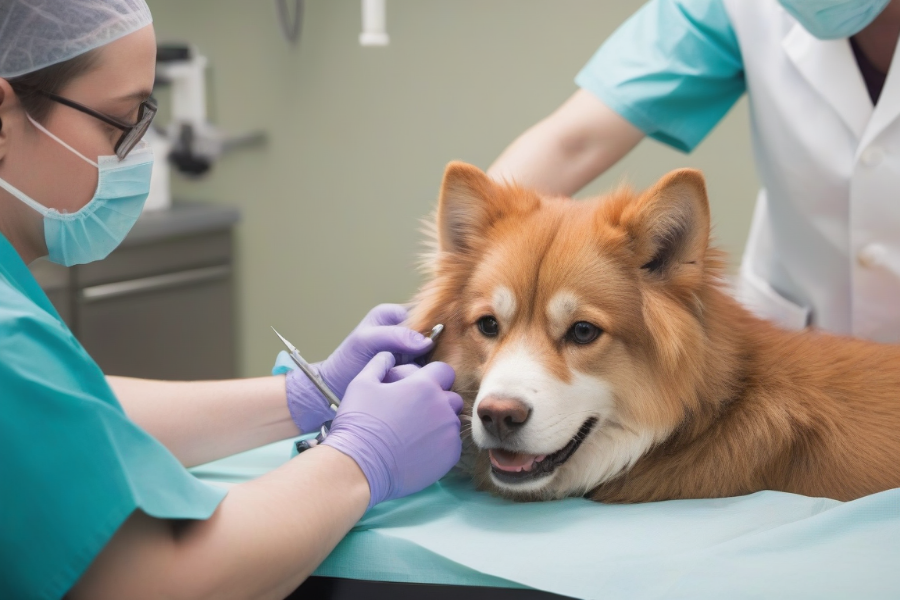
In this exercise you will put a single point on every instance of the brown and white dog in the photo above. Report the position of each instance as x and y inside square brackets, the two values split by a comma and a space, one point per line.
[599, 355]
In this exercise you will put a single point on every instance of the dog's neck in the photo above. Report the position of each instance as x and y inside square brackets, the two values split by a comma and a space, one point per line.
[726, 371]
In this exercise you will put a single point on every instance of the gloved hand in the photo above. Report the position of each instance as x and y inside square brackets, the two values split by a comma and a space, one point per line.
[378, 332]
[404, 435]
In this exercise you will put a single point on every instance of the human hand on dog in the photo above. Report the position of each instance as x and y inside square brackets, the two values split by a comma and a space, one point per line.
[400, 425]
[379, 331]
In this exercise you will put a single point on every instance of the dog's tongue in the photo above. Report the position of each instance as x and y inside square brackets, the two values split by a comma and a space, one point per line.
[513, 461]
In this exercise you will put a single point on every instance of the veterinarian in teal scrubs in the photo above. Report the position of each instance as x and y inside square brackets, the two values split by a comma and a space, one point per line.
[95, 501]
[824, 98]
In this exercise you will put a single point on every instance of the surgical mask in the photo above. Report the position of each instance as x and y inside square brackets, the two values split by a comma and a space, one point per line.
[833, 19]
[95, 230]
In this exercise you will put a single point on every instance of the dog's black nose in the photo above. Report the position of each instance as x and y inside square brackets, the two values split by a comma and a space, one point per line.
[502, 417]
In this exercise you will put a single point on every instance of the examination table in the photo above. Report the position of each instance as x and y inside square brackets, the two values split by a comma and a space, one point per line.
[451, 541]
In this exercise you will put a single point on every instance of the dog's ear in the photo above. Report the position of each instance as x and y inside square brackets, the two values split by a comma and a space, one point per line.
[470, 202]
[670, 224]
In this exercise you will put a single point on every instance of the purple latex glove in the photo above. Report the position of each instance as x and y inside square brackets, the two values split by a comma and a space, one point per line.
[404, 435]
[378, 332]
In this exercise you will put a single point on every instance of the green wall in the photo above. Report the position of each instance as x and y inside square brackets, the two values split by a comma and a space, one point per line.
[358, 139]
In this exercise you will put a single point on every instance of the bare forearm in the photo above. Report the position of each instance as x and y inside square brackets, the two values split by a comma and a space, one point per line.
[568, 149]
[206, 420]
[265, 538]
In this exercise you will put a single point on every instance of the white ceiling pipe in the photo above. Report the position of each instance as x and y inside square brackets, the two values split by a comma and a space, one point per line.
[373, 24]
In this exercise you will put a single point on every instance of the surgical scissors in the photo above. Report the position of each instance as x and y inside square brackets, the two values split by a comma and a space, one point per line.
[329, 394]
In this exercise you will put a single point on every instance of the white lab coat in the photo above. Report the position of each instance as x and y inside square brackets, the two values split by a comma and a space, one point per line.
[824, 247]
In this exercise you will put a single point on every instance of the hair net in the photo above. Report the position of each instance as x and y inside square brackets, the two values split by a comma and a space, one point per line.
[38, 33]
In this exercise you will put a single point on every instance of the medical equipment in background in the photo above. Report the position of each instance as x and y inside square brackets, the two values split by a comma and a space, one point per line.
[189, 143]
[373, 22]
[329, 394]
[290, 26]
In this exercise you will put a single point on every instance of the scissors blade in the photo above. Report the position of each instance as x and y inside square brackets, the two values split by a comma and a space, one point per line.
[310, 372]
[289, 345]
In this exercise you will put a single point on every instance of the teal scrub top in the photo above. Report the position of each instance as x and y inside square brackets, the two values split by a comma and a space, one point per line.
[673, 70]
[73, 467]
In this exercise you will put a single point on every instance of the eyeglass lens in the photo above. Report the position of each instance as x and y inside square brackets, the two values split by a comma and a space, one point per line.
[131, 137]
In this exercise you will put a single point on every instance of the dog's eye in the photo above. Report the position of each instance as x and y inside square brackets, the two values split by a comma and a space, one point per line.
[488, 326]
[583, 332]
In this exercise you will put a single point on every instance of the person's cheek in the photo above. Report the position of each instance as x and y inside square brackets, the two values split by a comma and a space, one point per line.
[71, 180]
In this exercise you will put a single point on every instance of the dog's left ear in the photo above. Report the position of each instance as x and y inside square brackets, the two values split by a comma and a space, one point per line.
[670, 224]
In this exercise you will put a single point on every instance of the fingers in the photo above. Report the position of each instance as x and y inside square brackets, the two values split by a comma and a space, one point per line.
[396, 339]
[400, 372]
[378, 368]
[455, 401]
[439, 372]
[385, 314]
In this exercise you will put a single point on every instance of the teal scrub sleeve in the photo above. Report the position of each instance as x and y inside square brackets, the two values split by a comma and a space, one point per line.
[73, 467]
[673, 70]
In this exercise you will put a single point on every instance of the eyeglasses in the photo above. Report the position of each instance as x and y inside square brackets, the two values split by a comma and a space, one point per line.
[131, 134]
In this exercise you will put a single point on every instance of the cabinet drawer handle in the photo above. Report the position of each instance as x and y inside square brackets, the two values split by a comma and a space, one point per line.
[153, 284]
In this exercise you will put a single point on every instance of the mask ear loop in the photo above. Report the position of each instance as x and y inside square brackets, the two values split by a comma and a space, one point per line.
[16, 192]
[62, 143]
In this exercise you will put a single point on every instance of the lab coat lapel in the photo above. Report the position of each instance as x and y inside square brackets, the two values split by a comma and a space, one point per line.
[888, 108]
[829, 67]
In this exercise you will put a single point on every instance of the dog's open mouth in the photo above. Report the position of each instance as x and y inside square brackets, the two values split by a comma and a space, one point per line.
[517, 467]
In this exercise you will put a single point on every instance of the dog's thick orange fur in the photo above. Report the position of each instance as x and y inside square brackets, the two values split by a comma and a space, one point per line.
[747, 406]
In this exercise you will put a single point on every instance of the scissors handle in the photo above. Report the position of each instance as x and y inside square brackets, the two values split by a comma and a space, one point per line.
[304, 445]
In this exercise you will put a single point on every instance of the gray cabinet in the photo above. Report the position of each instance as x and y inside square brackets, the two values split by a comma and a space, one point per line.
[161, 306]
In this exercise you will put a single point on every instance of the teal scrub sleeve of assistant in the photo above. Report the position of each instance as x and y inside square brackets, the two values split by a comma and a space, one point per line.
[73, 467]
[673, 70]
